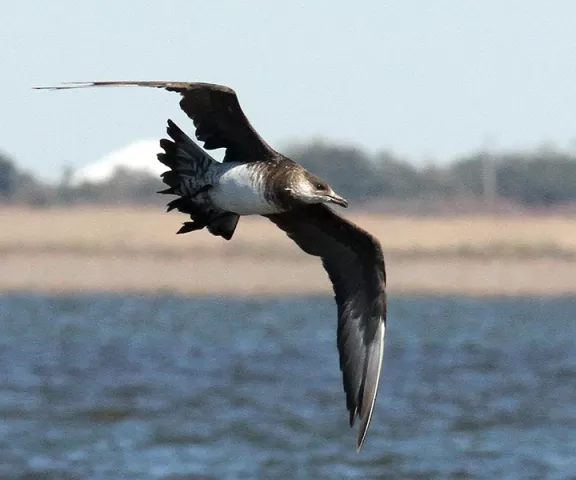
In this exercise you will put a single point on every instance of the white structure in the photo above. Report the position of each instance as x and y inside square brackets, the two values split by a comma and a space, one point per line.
[139, 156]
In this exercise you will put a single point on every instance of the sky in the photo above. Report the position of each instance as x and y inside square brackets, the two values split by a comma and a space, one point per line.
[426, 80]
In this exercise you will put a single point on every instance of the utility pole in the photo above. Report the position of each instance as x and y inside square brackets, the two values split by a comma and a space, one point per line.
[489, 180]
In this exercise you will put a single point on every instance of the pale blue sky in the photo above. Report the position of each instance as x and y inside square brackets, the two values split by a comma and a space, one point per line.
[424, 79]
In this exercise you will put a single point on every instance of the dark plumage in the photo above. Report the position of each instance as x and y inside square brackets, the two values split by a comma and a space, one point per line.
[355, 264]
[255, 179]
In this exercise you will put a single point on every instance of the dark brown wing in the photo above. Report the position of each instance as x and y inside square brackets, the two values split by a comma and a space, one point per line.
[216, 113]
[355, 264]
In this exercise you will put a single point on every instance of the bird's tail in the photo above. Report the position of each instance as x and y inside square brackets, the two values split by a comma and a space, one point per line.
[186, 178]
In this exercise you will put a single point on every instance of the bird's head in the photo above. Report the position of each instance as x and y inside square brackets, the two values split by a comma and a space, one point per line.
[310, 189]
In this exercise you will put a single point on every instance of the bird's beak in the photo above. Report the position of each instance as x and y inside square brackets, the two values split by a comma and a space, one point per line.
[338, 200]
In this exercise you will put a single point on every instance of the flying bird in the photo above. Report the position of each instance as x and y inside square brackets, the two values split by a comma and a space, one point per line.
[254, 179]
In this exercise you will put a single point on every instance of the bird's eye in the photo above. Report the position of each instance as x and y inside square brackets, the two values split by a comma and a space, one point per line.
[319, 186]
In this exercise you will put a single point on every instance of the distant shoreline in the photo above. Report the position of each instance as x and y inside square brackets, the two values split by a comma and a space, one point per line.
[135, 251]
[247, 277]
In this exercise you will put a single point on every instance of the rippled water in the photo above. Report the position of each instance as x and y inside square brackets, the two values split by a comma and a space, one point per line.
[173, 388]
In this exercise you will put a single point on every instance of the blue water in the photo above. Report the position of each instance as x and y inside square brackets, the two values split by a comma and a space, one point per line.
[162, 387]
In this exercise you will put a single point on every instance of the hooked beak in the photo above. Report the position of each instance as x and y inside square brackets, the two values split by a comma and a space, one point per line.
[338, 200]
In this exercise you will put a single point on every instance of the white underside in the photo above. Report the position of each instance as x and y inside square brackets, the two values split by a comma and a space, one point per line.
[237, 189]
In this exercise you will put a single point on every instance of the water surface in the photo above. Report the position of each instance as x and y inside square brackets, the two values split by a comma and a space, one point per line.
[163, 387]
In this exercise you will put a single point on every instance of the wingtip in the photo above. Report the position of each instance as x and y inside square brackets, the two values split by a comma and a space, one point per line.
[119, 83]
[371, 392]
[66, 86]
[361, 437]
[365, 419]
[48, 88]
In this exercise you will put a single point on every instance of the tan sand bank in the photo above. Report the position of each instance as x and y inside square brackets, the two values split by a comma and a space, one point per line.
[135, 250]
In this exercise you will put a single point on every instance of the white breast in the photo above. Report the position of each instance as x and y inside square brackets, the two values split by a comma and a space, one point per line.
[239, 189]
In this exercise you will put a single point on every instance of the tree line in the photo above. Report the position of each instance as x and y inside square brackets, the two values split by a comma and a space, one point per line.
[542, 177]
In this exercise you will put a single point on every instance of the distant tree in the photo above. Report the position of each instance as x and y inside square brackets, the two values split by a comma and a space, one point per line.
[124, 187]
[399, 178]
[542, 178]
[439, 181]
[129, 186]
[8, 177]
[466, 175]
[32, 192]
[348, 169]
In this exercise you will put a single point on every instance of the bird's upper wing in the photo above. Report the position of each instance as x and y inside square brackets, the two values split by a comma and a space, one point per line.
[355, 264]
[217, 115]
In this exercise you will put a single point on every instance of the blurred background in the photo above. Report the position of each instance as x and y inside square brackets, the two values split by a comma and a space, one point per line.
[129, 352]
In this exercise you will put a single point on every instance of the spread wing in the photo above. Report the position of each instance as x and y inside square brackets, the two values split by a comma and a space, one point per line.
[355, 265]
[216, 113]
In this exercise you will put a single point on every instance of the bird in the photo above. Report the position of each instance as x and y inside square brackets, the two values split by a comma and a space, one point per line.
[255, 179]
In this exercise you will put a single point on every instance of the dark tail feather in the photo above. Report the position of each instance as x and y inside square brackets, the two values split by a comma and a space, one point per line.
[224, 226]
[190, 227]
[187, 161]
[182, 156]
[181, 151]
